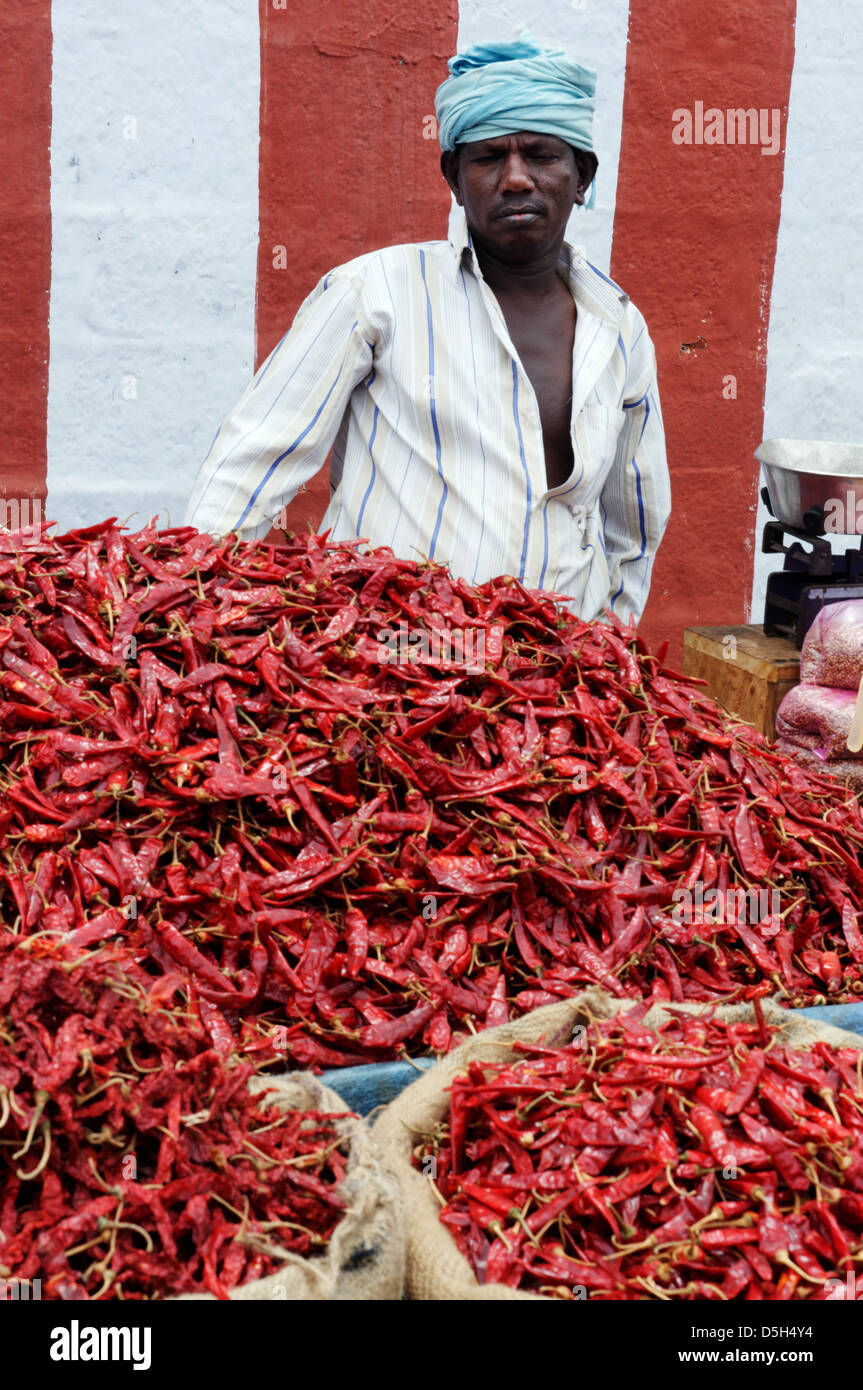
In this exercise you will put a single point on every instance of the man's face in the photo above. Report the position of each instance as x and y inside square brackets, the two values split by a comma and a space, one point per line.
[517, 191]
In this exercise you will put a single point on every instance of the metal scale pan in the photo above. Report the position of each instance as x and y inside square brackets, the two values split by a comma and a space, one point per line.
[813, 486]
[811, 481]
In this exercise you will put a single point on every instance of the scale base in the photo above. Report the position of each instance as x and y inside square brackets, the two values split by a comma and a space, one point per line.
[809, 580]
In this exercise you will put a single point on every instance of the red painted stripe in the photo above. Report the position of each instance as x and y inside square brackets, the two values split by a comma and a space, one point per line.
[344, 165]
[25, 242]
[695, 235]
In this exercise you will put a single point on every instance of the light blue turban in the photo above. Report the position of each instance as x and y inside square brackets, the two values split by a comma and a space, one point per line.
[502, 88]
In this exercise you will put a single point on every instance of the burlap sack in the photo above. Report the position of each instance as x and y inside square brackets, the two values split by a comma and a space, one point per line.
[365, 1258]
[436, 1268]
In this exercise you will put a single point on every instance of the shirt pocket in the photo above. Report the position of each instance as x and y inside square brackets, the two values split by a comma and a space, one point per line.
[596, 432]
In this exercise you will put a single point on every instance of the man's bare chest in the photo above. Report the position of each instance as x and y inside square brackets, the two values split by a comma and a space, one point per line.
[544, 343]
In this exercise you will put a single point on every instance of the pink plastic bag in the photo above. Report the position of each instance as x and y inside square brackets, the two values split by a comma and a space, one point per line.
[845, 769]
[817, 718]
[833, 647]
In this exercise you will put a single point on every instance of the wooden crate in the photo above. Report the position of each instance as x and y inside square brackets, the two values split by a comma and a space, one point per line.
[747, 673]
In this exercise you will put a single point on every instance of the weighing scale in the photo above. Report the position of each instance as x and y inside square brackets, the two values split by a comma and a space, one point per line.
[813, 487]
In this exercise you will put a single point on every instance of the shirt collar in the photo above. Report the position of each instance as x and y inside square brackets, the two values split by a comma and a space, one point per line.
[591, 289]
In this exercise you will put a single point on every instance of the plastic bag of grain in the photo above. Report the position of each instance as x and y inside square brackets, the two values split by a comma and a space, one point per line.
[818, 718]
[848, 769]
[832, 652]
[365, 1257]
[436, 1268]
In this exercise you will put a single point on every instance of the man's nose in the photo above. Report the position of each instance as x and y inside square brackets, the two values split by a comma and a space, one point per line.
[515, 175]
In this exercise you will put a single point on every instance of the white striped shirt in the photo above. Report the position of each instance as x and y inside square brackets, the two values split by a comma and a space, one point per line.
[402, 363]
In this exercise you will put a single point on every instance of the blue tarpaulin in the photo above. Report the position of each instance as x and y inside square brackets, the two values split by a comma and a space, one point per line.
[364, 1088]
[847, 1016]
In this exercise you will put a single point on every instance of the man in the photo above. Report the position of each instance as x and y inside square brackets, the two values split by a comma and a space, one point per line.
[490, 400]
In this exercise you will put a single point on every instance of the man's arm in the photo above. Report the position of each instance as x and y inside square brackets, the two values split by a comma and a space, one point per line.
[635, 502]
[282, 428]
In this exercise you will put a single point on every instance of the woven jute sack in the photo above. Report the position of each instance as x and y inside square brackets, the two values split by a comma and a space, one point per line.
[436, 1268]
[365, 1257]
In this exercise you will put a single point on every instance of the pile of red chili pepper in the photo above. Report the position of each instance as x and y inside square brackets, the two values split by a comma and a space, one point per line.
[134, 1160]
[212, 760]
[705, 1160]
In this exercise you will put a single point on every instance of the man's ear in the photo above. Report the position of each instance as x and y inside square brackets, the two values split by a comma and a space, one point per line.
[449, 169]
[586, 164]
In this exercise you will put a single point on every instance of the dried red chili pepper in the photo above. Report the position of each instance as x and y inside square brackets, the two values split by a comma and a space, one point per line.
[255, 678]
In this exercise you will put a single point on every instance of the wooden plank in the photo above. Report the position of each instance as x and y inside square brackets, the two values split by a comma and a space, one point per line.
[747, 673]
[772, 658]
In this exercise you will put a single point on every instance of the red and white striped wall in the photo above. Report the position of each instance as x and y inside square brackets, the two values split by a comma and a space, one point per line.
[176, 178]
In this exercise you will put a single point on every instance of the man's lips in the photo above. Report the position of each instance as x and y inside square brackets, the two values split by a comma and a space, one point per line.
[519, 214]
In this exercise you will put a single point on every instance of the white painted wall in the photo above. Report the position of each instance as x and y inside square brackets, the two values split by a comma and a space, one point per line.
[593, 34]
[814, 342]
[154, 203]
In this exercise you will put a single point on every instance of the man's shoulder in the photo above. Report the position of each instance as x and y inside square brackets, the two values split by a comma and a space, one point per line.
[401, 256]
[611, 299]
